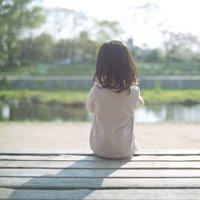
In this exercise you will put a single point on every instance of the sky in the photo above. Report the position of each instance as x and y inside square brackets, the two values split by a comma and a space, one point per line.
[143, 26]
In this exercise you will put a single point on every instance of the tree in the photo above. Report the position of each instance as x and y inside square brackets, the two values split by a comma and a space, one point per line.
[63, 49]
[65, 23]
[16, 17]
[39, 49]
[85, 48]
[152, 56]
[106, 30]
[179, 46]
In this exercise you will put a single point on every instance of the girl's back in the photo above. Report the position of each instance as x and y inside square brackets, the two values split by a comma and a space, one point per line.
[113, 102]
[112, 133]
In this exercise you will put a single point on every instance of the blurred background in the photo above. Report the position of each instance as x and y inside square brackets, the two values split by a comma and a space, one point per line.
[48, 50]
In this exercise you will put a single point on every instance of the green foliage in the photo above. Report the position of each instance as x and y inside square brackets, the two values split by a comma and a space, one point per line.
[82, 49]
[45, 96]
[37, 50]
[16, 17]
[4, 84]
[70, 70]
[107, 30]
[186, 67]
[178, 46]
[24, 52]
[76, 69]
[152, 56]
[68, 96]
[171, 96]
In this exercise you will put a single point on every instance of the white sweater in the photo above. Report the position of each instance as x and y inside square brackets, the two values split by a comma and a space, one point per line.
[112, 133]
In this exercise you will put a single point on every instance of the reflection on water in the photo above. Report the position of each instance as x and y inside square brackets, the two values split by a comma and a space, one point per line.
[172, 112]
[147, 114]
[42, 113]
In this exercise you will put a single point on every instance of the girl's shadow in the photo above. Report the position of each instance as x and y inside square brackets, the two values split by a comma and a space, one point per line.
[75, 181]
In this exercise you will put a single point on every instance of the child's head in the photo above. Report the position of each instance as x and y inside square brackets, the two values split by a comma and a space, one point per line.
[115, 67]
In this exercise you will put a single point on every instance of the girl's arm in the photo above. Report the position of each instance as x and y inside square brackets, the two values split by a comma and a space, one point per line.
[140, 101]
[89, 103]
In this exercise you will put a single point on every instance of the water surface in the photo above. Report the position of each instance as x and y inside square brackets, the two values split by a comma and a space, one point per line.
[57, 113]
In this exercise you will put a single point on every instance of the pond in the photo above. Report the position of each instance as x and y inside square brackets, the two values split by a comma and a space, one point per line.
[57, 113]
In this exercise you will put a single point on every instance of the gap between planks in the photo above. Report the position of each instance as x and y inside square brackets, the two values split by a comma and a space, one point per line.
[88, 152]
[94, 173]
[143, 158]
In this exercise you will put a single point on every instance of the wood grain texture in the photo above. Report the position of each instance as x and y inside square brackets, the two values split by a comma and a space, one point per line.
[99, 165]
[78, 174]
[100, 173]
[133, 194]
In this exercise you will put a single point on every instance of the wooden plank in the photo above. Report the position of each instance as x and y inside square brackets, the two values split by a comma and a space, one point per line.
[85, 152]
[99, 173]
[78, 174]
[93, 158]
[100, 183]
[134, 194]
[99, 165]
[162, 152]
[88, 152]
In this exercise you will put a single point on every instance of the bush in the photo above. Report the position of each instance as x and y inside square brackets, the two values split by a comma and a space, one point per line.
[4, 84]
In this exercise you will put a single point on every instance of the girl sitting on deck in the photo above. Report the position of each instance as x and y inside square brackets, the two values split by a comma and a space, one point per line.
[113, 101]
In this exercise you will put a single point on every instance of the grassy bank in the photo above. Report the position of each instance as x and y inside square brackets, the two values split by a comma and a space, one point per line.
[69, 97]
[171, 96]
[187, 67]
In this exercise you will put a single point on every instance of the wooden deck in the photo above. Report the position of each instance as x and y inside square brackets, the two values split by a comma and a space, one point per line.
[78, 174]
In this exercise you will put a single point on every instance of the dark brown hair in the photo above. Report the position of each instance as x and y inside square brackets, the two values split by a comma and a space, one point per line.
[115, 67]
